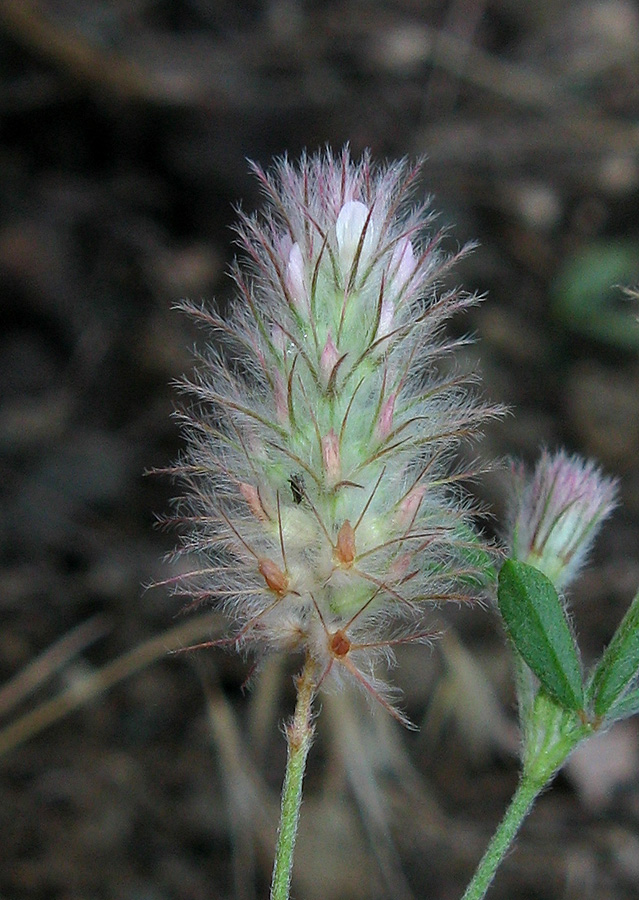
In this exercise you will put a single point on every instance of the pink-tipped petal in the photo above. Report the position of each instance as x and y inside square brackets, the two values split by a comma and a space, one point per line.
[328, 359]
[385, 422]
[402, 266]
[331, 457]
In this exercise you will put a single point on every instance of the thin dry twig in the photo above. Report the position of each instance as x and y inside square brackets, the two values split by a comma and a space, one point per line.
[87, 63]
[349, 740]
[39, 670]
[251, 809]
[31, 723]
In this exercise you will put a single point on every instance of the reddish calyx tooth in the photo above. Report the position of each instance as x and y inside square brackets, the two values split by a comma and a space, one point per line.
[339, 644]
[276, 580]
[345, 546]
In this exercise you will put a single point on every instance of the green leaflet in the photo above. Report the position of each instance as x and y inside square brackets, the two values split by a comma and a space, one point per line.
[619, 664]
[537, 625]
[626, 706]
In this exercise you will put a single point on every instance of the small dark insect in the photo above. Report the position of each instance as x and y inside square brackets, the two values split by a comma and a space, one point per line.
[298, 489]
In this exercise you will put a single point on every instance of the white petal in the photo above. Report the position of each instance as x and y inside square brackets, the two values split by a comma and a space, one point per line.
[348, 228]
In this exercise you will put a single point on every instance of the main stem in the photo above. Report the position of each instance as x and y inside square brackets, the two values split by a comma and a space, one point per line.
[299, 735]
[502, 839]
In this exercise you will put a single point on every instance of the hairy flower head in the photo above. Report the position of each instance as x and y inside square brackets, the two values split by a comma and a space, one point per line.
[320, 496]
[557, 514]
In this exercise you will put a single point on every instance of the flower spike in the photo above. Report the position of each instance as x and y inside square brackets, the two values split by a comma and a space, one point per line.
[316, 479]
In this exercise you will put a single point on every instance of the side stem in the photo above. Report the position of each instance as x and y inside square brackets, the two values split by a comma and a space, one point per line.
[299, 735]
[520, 805]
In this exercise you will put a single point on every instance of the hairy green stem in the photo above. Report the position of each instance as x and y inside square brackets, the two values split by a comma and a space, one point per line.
[299, 735]
[520, 805]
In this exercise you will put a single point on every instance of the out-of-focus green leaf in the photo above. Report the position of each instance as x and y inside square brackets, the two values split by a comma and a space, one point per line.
[588, 292]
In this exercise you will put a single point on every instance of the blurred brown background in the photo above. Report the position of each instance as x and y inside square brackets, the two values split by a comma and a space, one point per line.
[125, 128]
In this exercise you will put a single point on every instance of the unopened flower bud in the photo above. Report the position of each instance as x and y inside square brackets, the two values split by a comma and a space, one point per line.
[281, 400]
[386, 317]
[329, 357]
[403, 265]
[398, 569]
[252, 497]
[295, 277]
[385, 422]
[330, 455]
[558, 514]
[278, 339]
[409, 506]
